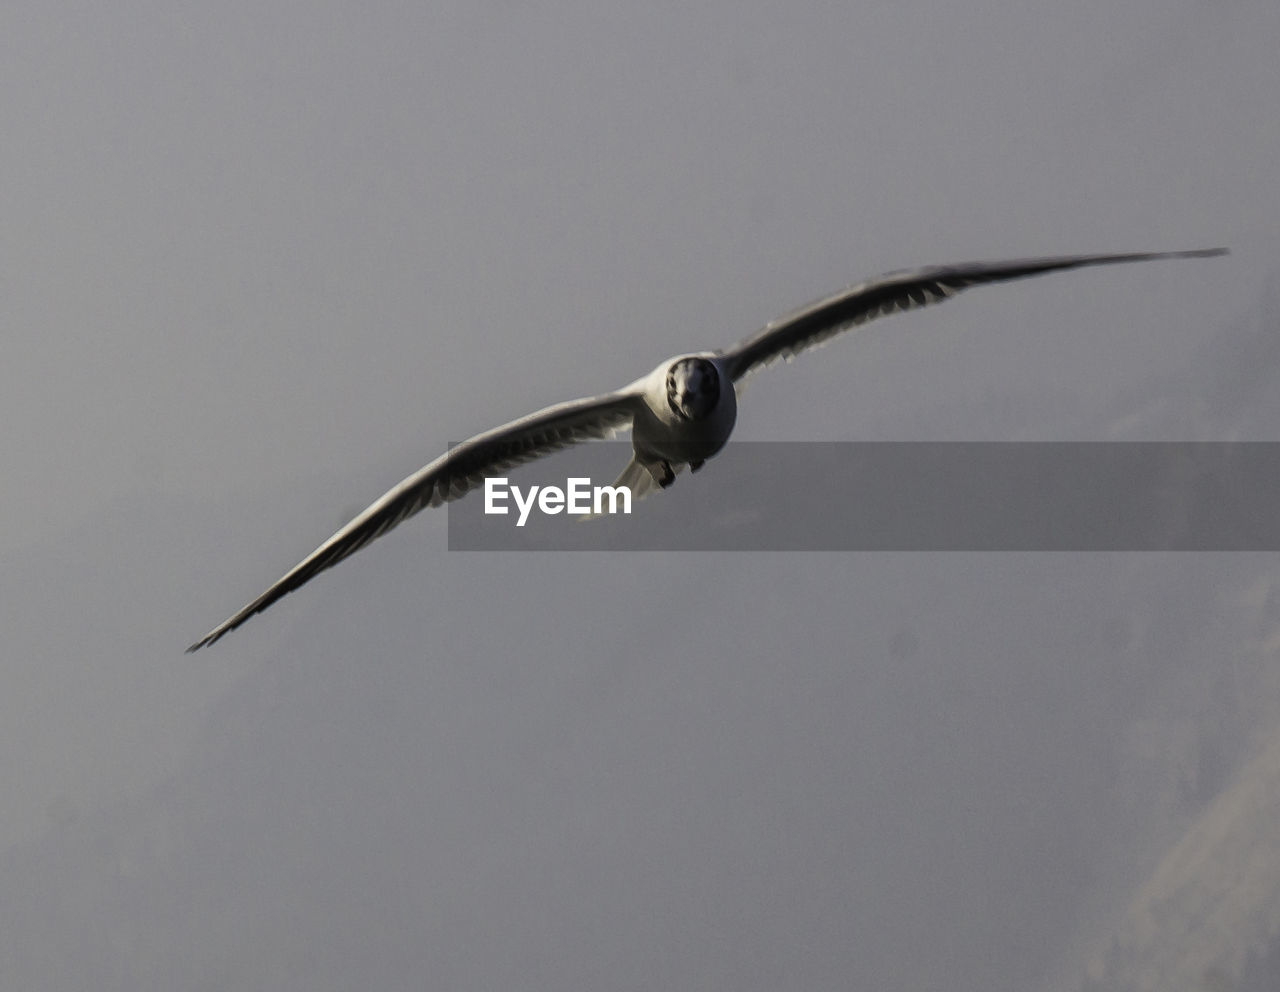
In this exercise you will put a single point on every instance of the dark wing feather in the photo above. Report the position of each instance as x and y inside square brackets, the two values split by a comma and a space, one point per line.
[449, 477]
[819, 322]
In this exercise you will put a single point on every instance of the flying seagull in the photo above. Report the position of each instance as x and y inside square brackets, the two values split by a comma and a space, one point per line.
[679, 415]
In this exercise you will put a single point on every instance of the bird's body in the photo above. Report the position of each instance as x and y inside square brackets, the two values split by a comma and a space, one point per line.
[680, 414]
[669, 431]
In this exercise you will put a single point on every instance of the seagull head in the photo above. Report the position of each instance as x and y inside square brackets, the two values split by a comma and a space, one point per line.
[693, 388]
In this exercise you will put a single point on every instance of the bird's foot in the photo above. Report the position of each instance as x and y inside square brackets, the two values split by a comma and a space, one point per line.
[663, 475]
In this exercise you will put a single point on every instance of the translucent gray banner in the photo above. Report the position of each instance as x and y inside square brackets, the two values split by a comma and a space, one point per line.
[901, 496]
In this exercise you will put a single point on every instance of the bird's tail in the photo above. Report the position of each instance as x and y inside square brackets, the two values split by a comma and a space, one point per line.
[636, 477]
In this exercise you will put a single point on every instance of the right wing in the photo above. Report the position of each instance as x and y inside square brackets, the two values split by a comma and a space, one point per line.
[451, 476]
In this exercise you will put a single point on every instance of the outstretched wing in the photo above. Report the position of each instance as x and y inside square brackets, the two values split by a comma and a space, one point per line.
[818, 322]
[449, 477]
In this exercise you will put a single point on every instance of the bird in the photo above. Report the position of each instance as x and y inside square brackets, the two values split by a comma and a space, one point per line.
[679, 415]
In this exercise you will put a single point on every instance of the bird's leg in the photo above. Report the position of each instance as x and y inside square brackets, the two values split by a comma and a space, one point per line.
[694, 466]
[663, 475]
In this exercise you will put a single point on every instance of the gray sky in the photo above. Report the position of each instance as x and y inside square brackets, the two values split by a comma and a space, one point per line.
[260, 263]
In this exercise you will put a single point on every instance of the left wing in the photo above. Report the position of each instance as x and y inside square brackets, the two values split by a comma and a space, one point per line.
[811, 326]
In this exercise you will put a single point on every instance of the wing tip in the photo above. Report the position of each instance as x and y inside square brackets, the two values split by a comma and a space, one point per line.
[209, 639]
[1201, 253]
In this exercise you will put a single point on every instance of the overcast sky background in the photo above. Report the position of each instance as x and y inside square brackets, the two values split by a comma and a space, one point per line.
[259, 263]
